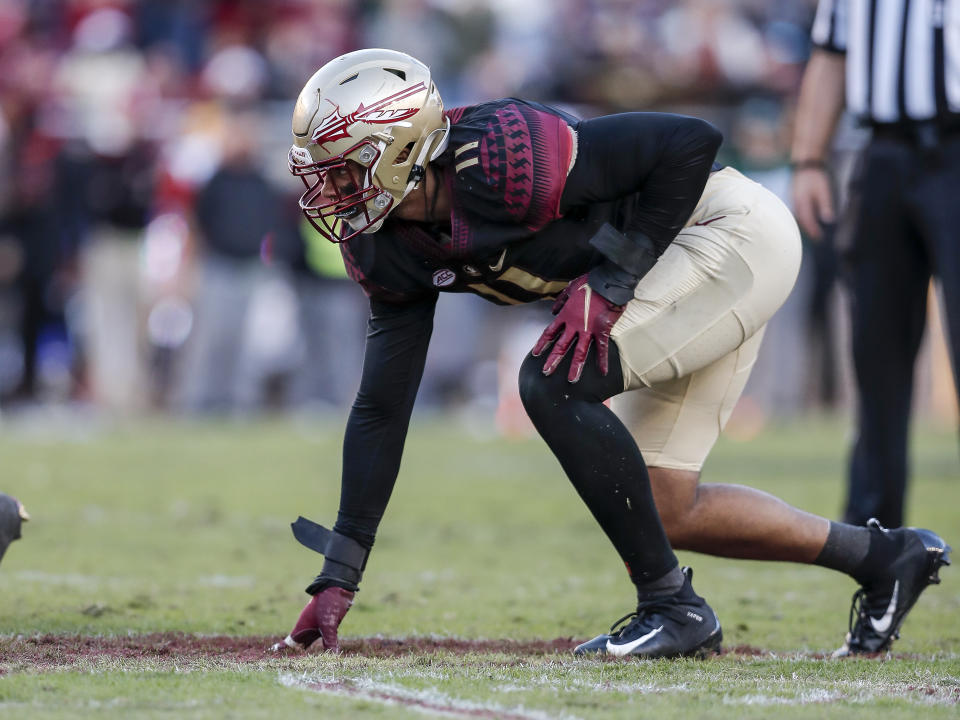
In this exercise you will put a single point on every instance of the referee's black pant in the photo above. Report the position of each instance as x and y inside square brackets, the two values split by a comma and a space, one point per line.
[905, 209]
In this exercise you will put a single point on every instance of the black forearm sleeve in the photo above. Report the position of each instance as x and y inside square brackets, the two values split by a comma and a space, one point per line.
[658, 163]
[396, 350]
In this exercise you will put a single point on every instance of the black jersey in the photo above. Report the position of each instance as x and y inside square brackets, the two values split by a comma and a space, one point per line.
[505, 167]
[521, 220]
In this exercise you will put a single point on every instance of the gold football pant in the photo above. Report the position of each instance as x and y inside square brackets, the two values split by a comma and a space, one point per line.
[690, 336]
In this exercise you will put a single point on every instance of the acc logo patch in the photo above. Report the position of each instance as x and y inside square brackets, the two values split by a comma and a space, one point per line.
[444, 277]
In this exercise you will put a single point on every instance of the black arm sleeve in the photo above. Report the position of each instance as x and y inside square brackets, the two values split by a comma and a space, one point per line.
[664, 161]
[396, 350]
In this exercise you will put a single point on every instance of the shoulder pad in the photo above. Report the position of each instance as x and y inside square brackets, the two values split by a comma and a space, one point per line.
[510, 162]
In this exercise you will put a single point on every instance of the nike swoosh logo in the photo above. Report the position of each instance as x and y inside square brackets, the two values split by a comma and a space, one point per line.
[627, 648]
[587, 292]
[713, 219]
[882, 624]
[496, 268]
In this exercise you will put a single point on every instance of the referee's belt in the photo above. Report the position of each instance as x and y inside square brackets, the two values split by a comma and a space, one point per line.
[923, 134]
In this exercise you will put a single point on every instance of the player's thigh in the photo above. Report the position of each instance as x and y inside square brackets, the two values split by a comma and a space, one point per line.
[717, 284]
[677, 422]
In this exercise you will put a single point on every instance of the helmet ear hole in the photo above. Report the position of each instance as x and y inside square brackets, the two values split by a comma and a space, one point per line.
[404, 154]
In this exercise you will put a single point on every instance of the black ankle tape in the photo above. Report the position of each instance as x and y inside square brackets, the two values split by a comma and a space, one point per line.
[322, 582]
[344, 558]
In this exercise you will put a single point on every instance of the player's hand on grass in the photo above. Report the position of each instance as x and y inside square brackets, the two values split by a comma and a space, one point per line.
[582, 316]
[320, 620]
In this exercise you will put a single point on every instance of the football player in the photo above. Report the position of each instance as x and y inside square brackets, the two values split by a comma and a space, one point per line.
[12, 516]
[664, 269]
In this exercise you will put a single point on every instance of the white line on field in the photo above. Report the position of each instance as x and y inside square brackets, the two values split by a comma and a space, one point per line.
[225, 581]
[72, 579]
[429, 702]
[856, 692]
[806, 697]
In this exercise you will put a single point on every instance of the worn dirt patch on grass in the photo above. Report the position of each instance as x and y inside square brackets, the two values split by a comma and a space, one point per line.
[51, 651]
[47, 652]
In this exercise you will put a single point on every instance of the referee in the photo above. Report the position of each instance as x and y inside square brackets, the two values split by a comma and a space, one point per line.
[895, 64]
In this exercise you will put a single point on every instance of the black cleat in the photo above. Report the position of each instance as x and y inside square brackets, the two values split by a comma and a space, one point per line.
[597, 646]
[679, 625]
[879, 607]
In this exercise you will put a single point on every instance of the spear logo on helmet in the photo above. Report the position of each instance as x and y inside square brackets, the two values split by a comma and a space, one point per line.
[335, 126]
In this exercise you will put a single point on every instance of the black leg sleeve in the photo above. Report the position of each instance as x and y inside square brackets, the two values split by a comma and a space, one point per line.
[600, 457]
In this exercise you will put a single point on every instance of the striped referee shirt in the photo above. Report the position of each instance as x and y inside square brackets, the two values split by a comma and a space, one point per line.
[903, 56]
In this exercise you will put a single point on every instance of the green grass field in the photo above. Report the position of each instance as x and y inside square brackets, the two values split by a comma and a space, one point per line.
[185, 528]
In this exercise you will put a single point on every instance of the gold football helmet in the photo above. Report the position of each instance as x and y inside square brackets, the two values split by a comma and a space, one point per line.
[378, 109]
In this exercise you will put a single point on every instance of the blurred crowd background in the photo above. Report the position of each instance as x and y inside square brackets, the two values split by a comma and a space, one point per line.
[152, 257]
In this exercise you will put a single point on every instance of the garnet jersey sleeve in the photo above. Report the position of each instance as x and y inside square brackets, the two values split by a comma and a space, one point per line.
[507, 165]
